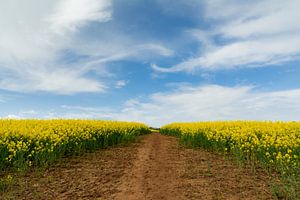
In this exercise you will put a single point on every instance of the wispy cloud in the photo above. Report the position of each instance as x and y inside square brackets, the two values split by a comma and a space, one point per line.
[253, 34]
[121, 83]
[50, 79]
[24, 114]
[33, 33]
[213, 102]
[37, 37]
[190, 103]
[69, 15]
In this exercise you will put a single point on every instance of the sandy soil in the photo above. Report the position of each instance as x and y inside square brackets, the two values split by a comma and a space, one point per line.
[154, 168]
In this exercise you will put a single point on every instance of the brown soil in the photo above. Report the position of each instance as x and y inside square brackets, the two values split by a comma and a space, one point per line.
[154, 168]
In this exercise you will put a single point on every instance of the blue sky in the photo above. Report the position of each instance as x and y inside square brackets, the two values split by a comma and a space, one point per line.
[154, 61]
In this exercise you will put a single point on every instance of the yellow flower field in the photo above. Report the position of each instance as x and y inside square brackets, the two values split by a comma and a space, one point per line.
[275, 145]
[24, 143]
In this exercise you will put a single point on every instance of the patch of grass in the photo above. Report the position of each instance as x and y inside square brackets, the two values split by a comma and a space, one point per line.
[286, 187]
[154, 130]
[6, 182]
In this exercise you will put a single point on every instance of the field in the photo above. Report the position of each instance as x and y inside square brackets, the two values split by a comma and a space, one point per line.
[24, 143]
[274, 146]
[91, 159]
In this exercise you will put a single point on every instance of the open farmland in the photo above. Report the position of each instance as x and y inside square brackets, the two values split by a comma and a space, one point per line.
[149, 100]
[24, 143]
[274, 146]
[72, 159]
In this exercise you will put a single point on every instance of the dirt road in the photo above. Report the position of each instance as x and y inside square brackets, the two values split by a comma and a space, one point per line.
[156, 171]
[155, 168]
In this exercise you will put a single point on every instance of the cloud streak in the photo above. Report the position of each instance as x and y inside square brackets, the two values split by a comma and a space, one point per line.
[213, 102]
[69, 15]
[38, 38]
[192, 103]
[254, 34]
[32, 37]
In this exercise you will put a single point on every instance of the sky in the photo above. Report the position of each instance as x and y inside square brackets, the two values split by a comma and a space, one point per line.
[152, 61]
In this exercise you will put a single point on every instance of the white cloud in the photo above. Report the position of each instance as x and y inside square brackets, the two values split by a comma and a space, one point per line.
[105, 53]
[121, 83]
[24, 114]
[35, 30]
[35, 35]
[71, 14]
[263, 18]
[159, 49]
[191, 103]
[51, 79]
[11, 116]
[213, 102]
[255, 33]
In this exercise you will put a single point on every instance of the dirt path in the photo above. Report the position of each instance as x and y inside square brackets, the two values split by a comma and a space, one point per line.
[164, 170]
[156, 171]
[155, 168]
